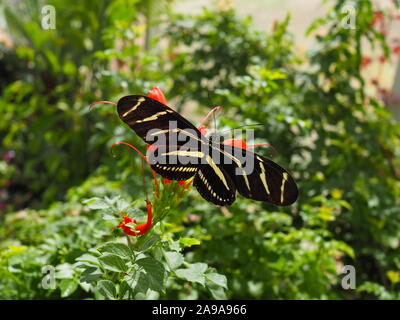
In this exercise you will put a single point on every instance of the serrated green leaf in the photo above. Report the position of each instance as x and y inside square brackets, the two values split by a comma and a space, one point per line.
[217, 279]
[217, 292]
[113, 262]
[149, 295]
[174, 245]
[109, 217]
[88, 259]
[90, 274]
[148, 243]
[137, 281]
[118, 249]
[154, 272]
[174, 259]
[96, 203]
[107, 289]
[124, 290]
[194, 273]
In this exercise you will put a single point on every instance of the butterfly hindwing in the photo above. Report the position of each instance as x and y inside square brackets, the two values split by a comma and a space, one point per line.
[175, 162]
[181, 163]
[214, 184]
[259, 178]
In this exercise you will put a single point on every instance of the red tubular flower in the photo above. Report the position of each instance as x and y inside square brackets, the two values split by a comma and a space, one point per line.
[139, 229]
[180, 182]
[378, 16]
[240, 143]
[157, 94]
[382, 59]
[365, 61]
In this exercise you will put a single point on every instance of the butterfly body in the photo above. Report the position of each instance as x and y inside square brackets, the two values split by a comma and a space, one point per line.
[219, 170]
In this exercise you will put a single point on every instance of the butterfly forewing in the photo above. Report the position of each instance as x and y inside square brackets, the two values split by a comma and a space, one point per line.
[152, 121]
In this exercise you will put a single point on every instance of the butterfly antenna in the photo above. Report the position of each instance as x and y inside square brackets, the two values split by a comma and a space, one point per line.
[213, 111]
[244, 126]
[263, 145]
[215, 126]
[253, 145]
[98, 102]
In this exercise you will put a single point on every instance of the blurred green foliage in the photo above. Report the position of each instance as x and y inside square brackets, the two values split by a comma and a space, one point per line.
[60, 187]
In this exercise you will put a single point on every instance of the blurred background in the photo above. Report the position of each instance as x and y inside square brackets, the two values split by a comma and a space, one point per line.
[323, 77]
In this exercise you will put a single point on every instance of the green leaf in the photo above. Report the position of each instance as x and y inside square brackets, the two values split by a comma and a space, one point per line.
[217, 292]
[64, 271]
[218, 279]
[195, 273]
[148, 295]
[68, 287]
[113, 262]
[154, 272]
[107, 289]
[174, 259]
[148, 243]
[96, 203]
[90, 274]
[174, 245]
[124, 290]
[85, 286]
[88, 259]
[188, 242]
[118, 249]
[137, 281]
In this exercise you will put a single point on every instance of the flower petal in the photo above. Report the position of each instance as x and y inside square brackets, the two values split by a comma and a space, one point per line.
[157, 94]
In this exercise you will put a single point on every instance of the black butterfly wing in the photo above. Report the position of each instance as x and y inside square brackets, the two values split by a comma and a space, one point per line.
[214, 184]
[175, 162]
[181, 163]
[216, 181]
[257, 177]
[153, 120]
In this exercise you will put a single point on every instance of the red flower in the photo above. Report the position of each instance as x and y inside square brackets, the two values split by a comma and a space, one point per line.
[180, 182]
[240, 143]
[378, 16]
[157, 94]
[139, 229]
[365, 61]
[382, 59]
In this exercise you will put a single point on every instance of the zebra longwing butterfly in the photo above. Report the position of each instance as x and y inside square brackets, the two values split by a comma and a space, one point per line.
[216, 181]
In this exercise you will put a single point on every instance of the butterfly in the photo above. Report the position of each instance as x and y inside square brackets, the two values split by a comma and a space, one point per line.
[219, 171]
